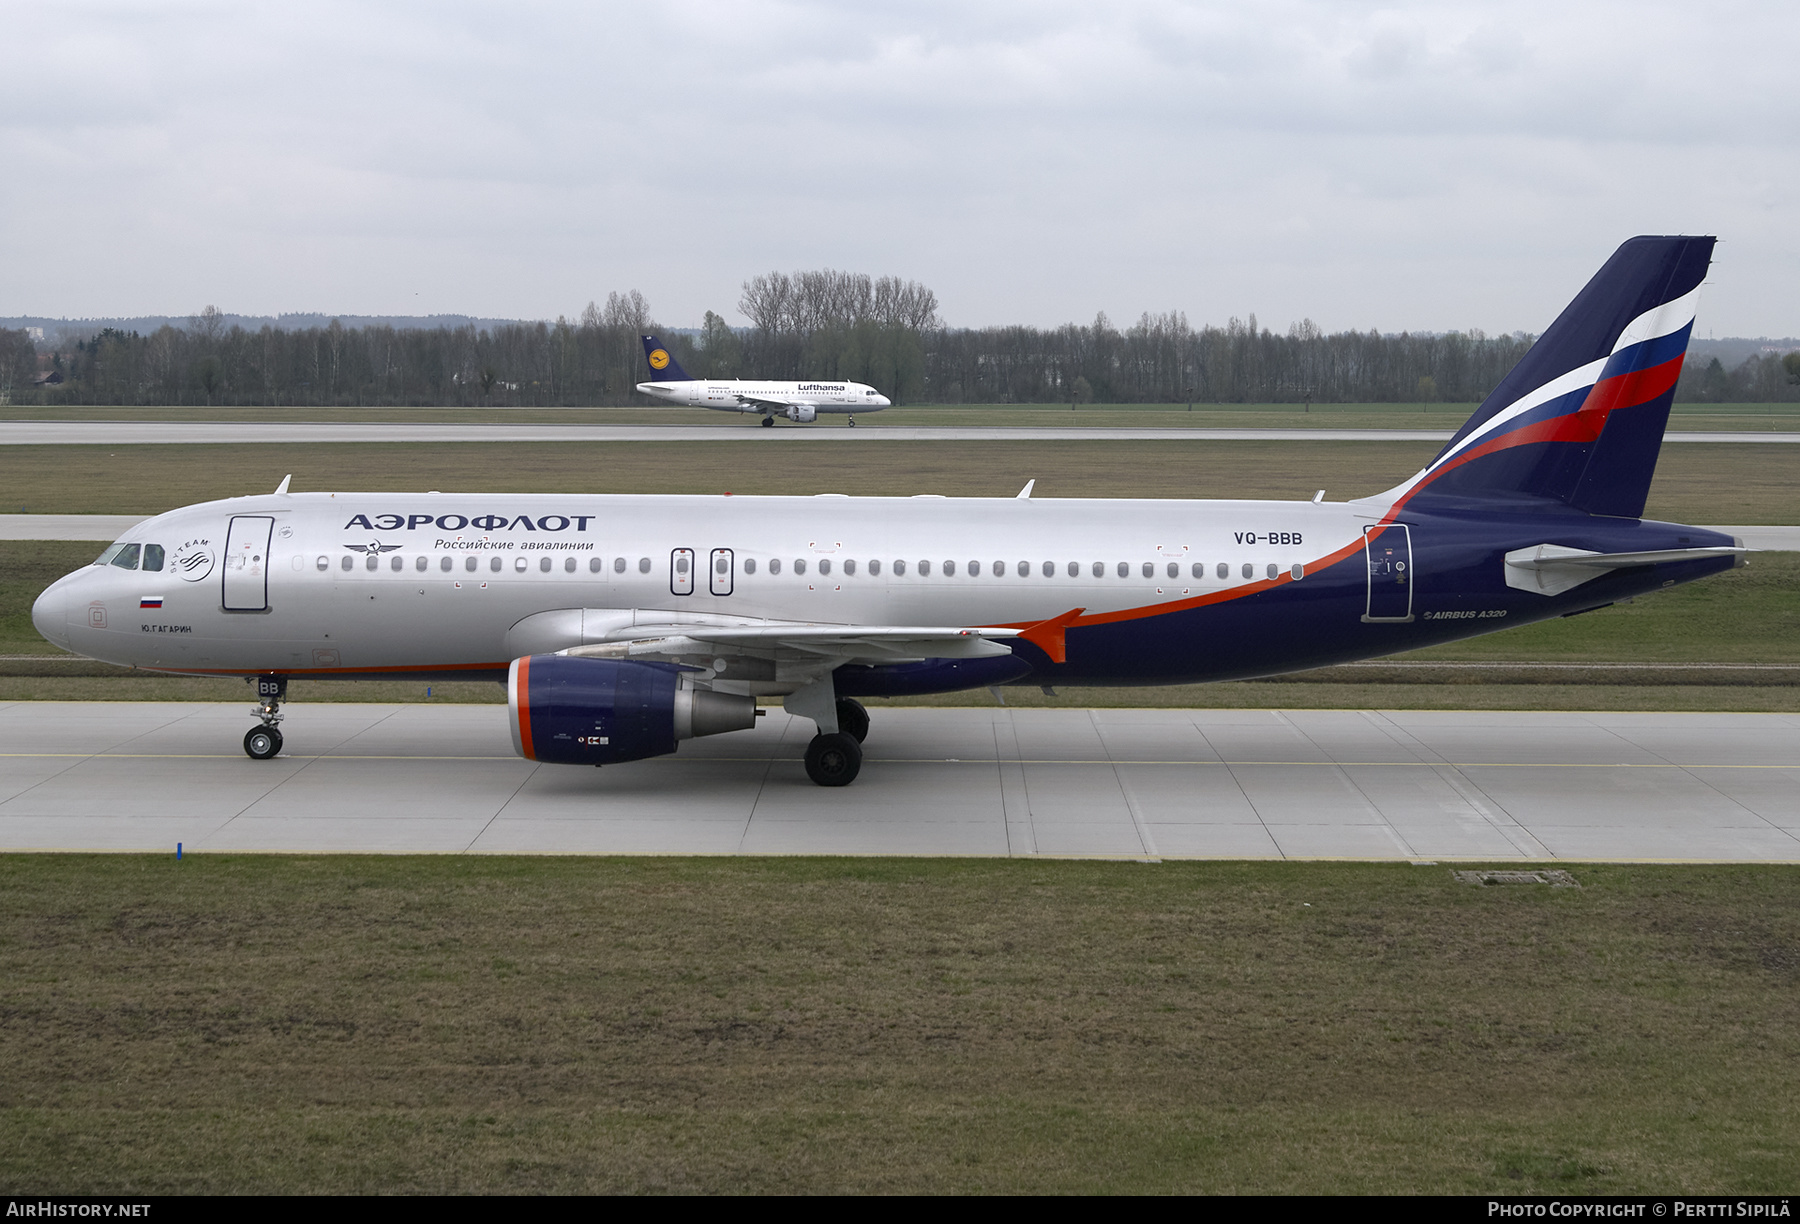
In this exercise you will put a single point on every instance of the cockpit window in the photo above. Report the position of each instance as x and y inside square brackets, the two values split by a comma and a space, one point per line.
[127, 557]
[106, 558]
[153, 557]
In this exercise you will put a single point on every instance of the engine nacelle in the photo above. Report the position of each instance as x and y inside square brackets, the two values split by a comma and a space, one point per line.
[576, 711]
[806, 414]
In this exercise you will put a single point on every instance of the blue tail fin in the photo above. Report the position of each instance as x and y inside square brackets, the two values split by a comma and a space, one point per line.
[1580, 420]
[663, 366]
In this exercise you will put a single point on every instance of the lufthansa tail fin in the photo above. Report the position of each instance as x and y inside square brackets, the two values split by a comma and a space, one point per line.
[1580, 420]
[663, 366]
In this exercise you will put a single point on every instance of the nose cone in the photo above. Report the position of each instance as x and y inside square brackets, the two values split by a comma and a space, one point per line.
[49, 614]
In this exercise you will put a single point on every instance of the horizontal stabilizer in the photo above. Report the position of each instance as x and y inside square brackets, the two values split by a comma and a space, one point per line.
[1551, 569]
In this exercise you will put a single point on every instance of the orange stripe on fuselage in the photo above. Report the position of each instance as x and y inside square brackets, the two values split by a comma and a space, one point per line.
[1198, 601]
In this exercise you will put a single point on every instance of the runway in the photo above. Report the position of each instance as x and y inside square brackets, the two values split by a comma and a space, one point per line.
[139, 433]
[1149, 784]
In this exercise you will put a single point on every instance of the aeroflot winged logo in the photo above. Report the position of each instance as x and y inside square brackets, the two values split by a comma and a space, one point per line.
[374, 548]
[659, 360]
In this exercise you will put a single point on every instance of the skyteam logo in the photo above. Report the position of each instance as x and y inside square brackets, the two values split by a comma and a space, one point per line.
[193, 560]
[659, 359]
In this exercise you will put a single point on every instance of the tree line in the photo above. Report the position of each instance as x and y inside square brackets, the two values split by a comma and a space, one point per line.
[826, 325]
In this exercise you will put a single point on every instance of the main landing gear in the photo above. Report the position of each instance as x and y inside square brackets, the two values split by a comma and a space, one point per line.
[261, 743]
[834, 758]
[768, 422]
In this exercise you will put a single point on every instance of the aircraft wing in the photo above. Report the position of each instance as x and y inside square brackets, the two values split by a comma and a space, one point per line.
[1551, 569]
[621, 633]
[839, 643]
[764, 401]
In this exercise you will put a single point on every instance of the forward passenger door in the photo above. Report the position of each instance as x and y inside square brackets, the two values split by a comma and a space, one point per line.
[246, 580]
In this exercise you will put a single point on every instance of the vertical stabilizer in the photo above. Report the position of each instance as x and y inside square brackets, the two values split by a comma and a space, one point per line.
[1580, 420]
[663, 366]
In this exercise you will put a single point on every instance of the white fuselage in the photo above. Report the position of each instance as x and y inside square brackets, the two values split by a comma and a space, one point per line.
[324, 584]
[821, 395]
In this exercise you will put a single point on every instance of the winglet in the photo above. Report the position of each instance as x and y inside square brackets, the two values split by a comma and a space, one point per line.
[1025, 493]
[281, 489]
[1047, 636]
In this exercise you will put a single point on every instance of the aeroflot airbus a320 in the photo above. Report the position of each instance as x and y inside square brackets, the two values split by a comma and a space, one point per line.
[623, 625]
[797, 401]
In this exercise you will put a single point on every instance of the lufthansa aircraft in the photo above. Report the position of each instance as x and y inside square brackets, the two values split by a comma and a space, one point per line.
[797, 401]
[623, 625]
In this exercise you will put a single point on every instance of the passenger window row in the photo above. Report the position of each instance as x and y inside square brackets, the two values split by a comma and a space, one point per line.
[472, 564]
[949, 569]
[126, 556]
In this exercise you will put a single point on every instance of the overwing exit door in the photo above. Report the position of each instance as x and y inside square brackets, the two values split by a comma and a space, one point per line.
[1389, 551]
[247, 563]
[721, 571]
[681, 571]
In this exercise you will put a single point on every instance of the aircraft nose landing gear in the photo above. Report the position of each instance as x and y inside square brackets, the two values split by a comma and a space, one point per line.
[261, 743]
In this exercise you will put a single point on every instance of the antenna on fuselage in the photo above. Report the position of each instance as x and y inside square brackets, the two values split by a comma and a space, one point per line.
[281, 489]
[1025, 493]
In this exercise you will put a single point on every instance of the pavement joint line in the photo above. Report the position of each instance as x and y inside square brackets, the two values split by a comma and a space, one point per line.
[1733, 800]
[988, 761]
[762, 783]
[1097, 856]
[1139, 825]
[1412, 664]
[501, 810]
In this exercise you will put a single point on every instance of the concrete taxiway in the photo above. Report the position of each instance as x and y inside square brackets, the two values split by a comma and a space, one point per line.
[135, 433]
[1231, 784]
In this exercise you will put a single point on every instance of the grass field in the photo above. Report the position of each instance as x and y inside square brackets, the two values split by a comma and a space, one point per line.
[1710, 483]
[271, 1025]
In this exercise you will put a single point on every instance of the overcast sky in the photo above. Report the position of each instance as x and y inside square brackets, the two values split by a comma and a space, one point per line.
[1393, 166]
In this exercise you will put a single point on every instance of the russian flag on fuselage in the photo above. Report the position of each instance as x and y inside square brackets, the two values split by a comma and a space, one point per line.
[1580, 419]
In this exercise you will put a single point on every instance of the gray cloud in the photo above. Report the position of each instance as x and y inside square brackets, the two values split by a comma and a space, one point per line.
[1397, 165]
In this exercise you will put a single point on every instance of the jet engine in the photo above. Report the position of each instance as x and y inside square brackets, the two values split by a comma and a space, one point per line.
[575, 711]
[806, 414]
